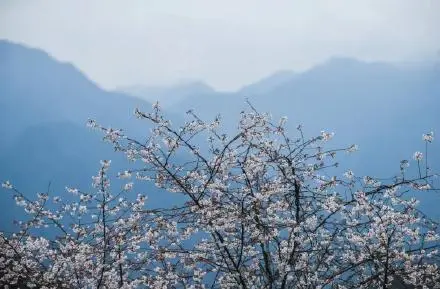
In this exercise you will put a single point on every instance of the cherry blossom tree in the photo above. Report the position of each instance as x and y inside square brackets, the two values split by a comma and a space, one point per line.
[263, 209]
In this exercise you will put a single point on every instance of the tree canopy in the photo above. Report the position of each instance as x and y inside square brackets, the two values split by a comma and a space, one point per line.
[263, 209]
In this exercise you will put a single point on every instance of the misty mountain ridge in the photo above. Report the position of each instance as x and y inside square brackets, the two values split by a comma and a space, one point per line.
[340, 94]
[44, 105]
[177, 93]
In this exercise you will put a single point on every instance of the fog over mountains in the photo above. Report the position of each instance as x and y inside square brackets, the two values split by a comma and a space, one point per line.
[168, 95]
[44, 105]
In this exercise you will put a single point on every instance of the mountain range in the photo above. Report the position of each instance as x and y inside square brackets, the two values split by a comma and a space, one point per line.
[45, 103]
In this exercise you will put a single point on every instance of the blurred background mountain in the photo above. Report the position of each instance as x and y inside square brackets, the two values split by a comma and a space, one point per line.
[45, 103]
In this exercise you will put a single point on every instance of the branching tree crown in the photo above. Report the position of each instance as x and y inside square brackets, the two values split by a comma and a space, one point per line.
[262, 211]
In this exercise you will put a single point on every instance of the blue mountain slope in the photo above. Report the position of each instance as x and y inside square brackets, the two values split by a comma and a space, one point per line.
[383, 108]
[376, 105]
[44, 105]
[357, 100]
[267, 84]
[35, 88]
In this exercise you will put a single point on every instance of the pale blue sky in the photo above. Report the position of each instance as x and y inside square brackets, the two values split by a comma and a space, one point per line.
[225, 43]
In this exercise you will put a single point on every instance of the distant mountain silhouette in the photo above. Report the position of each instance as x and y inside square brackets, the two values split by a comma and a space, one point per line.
[341, 94]
[44, 106]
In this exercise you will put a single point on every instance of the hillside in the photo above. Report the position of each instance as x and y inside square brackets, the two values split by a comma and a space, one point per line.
[44, 106]
[383, 108]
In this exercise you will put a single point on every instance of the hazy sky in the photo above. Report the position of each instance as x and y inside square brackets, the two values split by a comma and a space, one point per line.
[226, 43]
